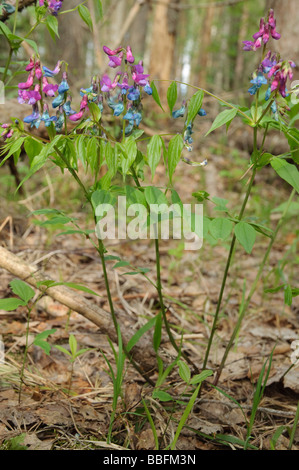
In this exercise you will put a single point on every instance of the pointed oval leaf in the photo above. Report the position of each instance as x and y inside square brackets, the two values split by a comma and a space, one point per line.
[246, 235]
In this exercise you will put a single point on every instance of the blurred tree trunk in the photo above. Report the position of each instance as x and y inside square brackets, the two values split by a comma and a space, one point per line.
[287, 19]
[205, 45]
[138, 31]
[163, 44]
[239, 68]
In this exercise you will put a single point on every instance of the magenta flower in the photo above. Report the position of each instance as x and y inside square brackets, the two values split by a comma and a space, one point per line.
[130, 57]
[38, 70]
[83, 105]
[28, 83]
[115, 61]
[252, 46]
[107, 85]
[111, 52]
[29, 96]
[30, 66]
[140, 78]
[48, 88]
[267, 28]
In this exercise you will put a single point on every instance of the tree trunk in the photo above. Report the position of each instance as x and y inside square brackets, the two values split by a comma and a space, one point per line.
[287, 18]
[205, 45]
[163, 45]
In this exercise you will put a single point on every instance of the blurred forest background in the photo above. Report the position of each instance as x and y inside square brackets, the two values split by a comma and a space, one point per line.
[193, 41]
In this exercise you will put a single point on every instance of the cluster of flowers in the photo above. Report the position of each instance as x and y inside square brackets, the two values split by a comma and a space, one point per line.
[272, 71]
[53, 5]
[122, 94]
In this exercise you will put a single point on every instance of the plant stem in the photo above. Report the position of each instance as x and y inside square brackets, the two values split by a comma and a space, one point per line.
[228, 263]
[253, 288]
[7, 64]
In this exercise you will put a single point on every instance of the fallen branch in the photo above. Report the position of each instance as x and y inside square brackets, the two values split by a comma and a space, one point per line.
[143, 354]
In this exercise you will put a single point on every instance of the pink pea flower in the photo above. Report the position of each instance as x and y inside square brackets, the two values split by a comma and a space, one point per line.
[38, 70]
[29, 82]
[111, 52]
[130, 57]
[48, 88]
[83, 105]
[30, 66]
[115, 61]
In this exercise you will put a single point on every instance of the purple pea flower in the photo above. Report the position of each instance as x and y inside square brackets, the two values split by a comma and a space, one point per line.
[48, 88]
[140, 78]
[115, 61]
[51, 73]
[106, 83]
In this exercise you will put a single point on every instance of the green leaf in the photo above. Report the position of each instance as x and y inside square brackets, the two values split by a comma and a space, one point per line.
[12, 149]
[11, 304]
[130, 149]
[45, 334]
[121, 264]
[85, 15]
[102, 196]
[286, 171]
[246, 235]
[32, 44]
[198, 378]
[136, 337]
[80, 287]
[175, 148]
[184, 371]
[220, 228]
[134, 196]
[155, 95]
[264, 160]
[223, 118]
[73, 345]
[154, 196]
[95, 111]
[172, 94]
[154, 153]
[288, 295]
[32, 148]
[111, 158]
[194, 105]
[62, 349]
[22, 290]
[162, 396]
[52, 25]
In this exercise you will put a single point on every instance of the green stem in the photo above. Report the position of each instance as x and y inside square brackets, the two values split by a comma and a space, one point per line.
[7, 65]
[15, 17]
[228, 263]
[253, 288]
[101, 251]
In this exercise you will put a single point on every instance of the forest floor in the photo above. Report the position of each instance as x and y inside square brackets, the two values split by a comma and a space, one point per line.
[48, 417]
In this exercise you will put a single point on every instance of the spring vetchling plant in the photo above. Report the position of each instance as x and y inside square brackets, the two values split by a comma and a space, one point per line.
[78, 136]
